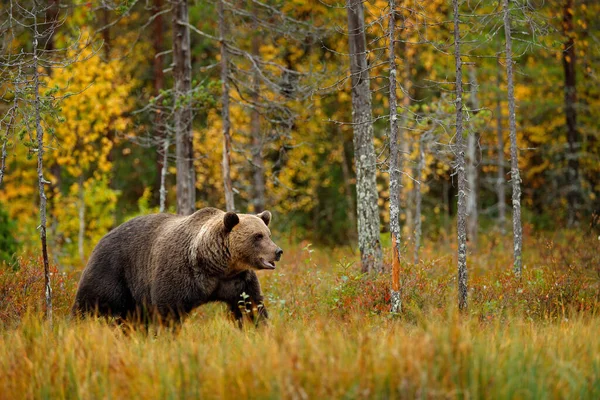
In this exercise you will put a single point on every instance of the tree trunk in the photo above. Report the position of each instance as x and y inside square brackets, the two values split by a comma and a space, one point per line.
[419, 197]
[460, 166]
[514, 164]
[182, 73]
[40, 172]
[163, 175]
[569, 59]
[257, 139]
[472, 168]
[500, 184]
[394, 171]
[159, 83]
[364, 150]
[228, 187]
[81, 235]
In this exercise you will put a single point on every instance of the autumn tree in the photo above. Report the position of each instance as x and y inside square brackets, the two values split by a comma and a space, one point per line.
[25, 60]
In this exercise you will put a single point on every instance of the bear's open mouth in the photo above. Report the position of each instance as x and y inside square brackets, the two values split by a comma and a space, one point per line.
[267, 264]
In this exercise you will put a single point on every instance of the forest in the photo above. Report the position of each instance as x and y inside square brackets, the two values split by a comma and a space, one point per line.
[432, 169]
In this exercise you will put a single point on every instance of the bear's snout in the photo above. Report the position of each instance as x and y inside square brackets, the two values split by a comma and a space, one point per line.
[278, 254]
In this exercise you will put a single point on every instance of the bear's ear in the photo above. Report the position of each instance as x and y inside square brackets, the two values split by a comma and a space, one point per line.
[230, 220]
[265, 216]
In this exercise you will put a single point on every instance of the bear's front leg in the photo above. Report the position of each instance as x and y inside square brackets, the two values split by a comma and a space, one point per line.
[243, 295]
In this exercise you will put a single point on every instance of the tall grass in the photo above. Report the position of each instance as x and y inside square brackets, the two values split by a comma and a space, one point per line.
[331, 336]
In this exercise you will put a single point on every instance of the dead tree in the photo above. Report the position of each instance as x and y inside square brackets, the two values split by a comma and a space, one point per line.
[258, 165]
[229, 200]
[364, 151]
[182, 119]
[514, 162]
[40, 166]
[460, 168]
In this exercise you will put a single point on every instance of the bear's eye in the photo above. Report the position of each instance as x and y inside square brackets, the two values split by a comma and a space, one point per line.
[258, 236]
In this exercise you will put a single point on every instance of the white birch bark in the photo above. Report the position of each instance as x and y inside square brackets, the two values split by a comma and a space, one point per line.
[460, 167]
[394, 171]
[163, 174]
[514, 164]
[364, 150]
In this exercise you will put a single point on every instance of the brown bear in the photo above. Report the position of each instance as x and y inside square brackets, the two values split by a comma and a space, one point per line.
[165, 265]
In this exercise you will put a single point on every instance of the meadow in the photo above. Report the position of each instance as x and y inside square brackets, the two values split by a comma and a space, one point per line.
[331, 334]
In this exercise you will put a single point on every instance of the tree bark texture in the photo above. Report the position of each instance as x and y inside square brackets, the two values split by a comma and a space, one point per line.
[163, 175]
[364, 150]
[394, 171]
[182, 73]
[227, 185]
[569, 63]
[40, 173]
[514, 151]
[472, 165]
[460, 167]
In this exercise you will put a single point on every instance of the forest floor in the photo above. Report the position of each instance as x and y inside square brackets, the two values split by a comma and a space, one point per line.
[331, 334]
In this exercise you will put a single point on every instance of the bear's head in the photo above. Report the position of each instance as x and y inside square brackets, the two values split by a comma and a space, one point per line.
[250, 243]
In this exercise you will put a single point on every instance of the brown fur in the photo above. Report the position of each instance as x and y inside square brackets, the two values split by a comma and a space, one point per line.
[164, 265]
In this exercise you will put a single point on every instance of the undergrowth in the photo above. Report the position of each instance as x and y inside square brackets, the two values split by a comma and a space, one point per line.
[331, 334]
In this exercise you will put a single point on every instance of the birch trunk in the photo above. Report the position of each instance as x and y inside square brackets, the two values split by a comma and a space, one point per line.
[182, 73]
[364, 150]
[472, 139]
[163, 174]
[228, 187]
[460, 167]
[394, 171]
[40, 172]
[514, 164]
[419, 197]
[500, 183]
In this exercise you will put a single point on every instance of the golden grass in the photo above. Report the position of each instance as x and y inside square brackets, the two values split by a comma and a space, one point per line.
[330, 337]
[364, 358]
